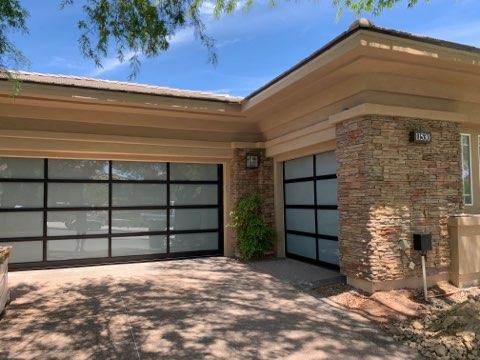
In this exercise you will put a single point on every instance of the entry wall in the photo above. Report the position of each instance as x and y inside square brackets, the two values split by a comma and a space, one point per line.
[244, 181]
[389, 188]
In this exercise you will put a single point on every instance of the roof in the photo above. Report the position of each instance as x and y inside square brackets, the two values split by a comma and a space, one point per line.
[364, 24]
[91, 83]
[123, 86]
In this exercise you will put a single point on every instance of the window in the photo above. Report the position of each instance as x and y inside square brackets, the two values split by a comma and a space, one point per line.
[465, 145]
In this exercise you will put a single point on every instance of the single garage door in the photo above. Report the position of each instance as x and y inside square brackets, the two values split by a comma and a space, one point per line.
[311, 218]
[66, 212]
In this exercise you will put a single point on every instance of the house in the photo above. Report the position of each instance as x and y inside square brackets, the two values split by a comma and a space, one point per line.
[371, 139]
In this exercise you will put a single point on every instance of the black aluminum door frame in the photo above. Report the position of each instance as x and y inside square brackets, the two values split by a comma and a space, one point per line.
[118, 259]
[316, 235]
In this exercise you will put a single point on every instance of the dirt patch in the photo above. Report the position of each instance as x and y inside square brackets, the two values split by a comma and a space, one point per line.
[446, 327]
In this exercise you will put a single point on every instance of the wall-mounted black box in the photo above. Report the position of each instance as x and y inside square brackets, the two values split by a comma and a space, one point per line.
[422, 242]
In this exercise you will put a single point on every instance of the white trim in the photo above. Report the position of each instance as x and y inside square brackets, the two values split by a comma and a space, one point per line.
[470, 167]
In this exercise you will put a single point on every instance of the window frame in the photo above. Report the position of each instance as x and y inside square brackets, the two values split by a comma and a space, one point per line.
[470, 168]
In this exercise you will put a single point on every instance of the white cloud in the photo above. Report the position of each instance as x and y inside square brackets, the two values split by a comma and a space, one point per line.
[182, 36]
[111, 64]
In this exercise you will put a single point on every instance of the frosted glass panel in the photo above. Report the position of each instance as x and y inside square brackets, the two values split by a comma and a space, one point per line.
[139, 245]
[77, 222]
[21, 194]
[21, 224]
[25, 251]
[77, 249]
[301, 245]
[128, 170]
[182, 194]
[193, 219]
[21, 168]
[300, 220]
[138, 220]
[77, 195]
[139, 194]
[328, 251]
[78, 169]
[203, 172]
[327, 192]
[298, 168]
[299, 193]
[326, 163]
[193, 242]
[327, 222]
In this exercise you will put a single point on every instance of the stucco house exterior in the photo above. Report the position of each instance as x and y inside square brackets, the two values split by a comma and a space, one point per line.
[95, 171]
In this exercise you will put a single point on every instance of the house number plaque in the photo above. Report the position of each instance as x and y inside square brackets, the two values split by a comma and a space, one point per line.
[420, 137]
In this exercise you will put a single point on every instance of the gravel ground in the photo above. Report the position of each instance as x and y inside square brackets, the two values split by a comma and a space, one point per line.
[445, 327]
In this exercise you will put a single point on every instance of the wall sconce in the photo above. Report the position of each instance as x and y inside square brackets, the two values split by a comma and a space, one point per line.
[252, 161]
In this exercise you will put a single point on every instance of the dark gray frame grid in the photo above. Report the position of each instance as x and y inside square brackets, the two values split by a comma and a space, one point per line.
[118, 259]
[314, 207]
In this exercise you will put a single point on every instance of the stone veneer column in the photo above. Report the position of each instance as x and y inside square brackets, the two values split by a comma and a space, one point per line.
[389, 188]
[244, 181]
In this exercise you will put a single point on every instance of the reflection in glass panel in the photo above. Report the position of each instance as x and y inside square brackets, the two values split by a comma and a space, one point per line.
[77, 195]
[138, 220]
[25, 251]
[300, 220]
[299, 193]
[76, 222]
[78, 169]
[327, 192]
[327, 222]
[193, 219]
[299, 168]
[21, 168]
[193, 242]
[77, 249]
[326, 163]
[139, 245]
[21, 194]
[129, 170]
[205, 172]
[301, 245]
[193, 194]
[328, 251]
[21, 224]
[139, 194]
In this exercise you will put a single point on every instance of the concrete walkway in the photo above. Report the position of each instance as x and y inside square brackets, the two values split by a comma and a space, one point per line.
[302, 275]
[211, 308]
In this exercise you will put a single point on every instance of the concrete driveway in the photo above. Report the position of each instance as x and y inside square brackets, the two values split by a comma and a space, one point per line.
[211, 308]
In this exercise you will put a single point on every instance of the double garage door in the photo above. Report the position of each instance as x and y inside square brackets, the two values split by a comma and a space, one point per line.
[311, 217]
[65, 212]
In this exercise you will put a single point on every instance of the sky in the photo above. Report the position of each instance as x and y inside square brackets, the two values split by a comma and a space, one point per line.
[252, 46]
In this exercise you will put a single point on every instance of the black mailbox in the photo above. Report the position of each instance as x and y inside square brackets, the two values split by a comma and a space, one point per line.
[422, 242]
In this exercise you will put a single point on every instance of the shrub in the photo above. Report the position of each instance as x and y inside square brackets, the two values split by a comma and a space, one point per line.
[254, 236]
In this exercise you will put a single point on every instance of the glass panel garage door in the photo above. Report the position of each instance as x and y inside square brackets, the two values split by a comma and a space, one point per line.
[311, 218]
[86, 211]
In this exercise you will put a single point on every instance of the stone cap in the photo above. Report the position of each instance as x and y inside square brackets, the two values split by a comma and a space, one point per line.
[464, 220]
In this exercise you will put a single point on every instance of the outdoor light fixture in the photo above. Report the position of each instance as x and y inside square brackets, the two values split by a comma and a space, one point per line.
[252, 161]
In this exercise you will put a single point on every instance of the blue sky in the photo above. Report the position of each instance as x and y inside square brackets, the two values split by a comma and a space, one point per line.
[253, 47]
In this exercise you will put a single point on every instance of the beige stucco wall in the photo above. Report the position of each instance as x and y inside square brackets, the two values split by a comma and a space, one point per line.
[465, 246]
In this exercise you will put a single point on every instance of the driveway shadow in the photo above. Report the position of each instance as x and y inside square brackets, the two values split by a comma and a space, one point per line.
[212, 308]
